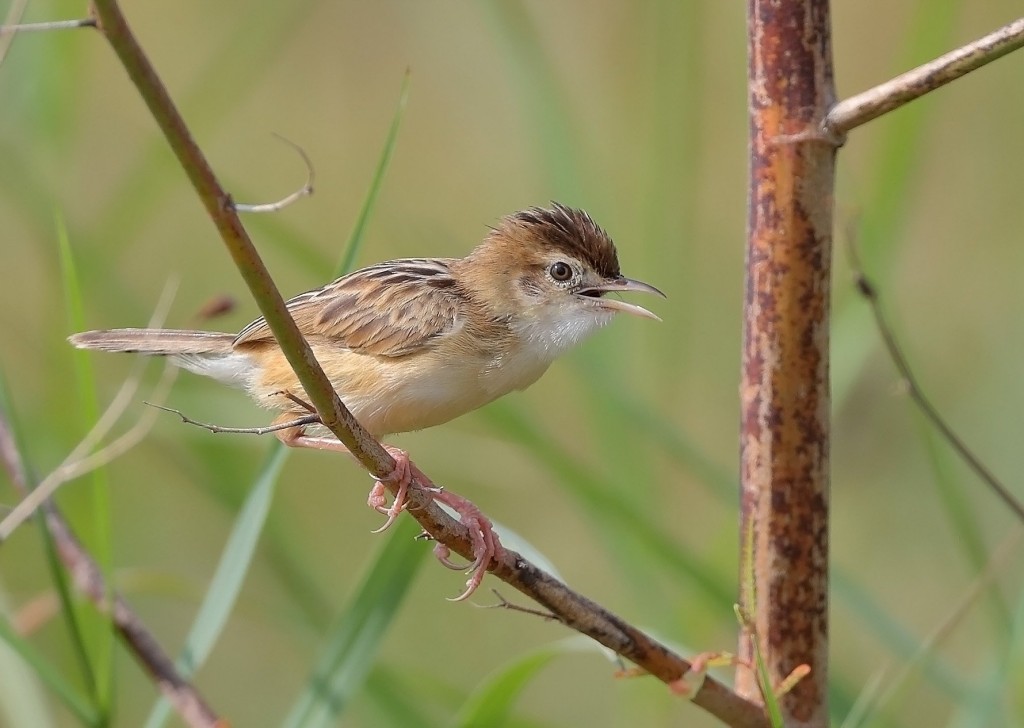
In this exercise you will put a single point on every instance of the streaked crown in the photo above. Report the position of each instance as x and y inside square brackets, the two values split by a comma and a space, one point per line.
[567, 230]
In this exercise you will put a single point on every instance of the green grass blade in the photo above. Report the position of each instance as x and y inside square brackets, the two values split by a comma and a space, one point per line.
[78, 704]
[961, 513]
[899, 640]
[227, 580]
[97, 629]
[492, 703]
[352, 645]
[536, 80]
[68, 610]
[52, 677]
[394, 700]
[22, 693]
[355, 238]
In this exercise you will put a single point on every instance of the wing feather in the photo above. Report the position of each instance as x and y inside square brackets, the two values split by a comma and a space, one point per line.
[390, 309]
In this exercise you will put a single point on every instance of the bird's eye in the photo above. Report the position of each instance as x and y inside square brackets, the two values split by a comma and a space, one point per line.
[560, 271]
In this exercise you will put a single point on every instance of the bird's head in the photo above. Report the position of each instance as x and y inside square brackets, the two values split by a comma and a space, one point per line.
[552, 273]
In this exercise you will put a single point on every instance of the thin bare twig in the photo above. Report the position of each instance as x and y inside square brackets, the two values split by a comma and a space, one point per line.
[931, 413]
[78, 463]
[304, 191]
[504, 603]
[887, 680]
[862, 108]
[15, 28]
[88, 578]
[299, 422]
[81, 459]
[14, 14]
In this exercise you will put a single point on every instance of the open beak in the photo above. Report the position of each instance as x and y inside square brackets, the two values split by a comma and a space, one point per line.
[596, 293]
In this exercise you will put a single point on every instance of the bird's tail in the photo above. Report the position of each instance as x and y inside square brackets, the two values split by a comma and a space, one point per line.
[155, 342]
[208, 353]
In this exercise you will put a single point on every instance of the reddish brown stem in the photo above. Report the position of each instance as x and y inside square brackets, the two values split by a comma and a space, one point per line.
[784, 389]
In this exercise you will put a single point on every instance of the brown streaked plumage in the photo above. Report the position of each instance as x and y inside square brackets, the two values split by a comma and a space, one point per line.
[413, 343]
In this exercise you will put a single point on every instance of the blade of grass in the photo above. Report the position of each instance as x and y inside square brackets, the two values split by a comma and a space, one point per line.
[537, 82]
[963, 522]
[73, 700]
[57, 573]
[22, 693]
[898, 640]
[352, 644]
[97, 629]
[492, 703]
[394, 700]
[744, 612]
[226, 582]
[355, 238]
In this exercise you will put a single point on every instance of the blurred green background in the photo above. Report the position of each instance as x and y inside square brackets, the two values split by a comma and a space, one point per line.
[620, 464]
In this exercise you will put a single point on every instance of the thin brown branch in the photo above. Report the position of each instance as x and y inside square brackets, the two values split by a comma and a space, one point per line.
[571, 608]
[504, 603]
[299, 422]
[784, 448]
[88, 579]
[931, 413]
[304, 191]
[862, 108]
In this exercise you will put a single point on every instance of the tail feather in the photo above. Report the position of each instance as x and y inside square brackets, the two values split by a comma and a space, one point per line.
[156, 342]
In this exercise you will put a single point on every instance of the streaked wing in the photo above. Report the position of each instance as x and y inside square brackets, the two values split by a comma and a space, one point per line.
[389, 309]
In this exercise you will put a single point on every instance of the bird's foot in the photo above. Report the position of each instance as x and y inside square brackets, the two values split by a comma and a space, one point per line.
[401, 476]
[486, 545]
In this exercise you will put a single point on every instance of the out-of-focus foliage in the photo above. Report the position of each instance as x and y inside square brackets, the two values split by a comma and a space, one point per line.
[620, 464]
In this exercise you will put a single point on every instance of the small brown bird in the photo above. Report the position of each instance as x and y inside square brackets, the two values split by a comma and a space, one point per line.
[416, 342]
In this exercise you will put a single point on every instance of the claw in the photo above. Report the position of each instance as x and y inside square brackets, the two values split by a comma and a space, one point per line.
[442, 554]
[486, 546]
[378, 494]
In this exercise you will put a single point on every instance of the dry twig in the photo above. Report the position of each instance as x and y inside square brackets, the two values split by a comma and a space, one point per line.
[88, 579]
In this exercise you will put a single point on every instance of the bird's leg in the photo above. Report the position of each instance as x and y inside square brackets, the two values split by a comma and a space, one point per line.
[377, 499]
[486, 545]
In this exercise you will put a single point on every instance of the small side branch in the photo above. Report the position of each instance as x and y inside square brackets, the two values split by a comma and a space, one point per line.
[931, 413]
[885, 97]
[50, 25]
[304, 191]
[299, 422]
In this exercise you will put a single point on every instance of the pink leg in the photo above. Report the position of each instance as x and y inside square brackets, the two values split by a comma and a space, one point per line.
[377, 498]
[486, 545]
